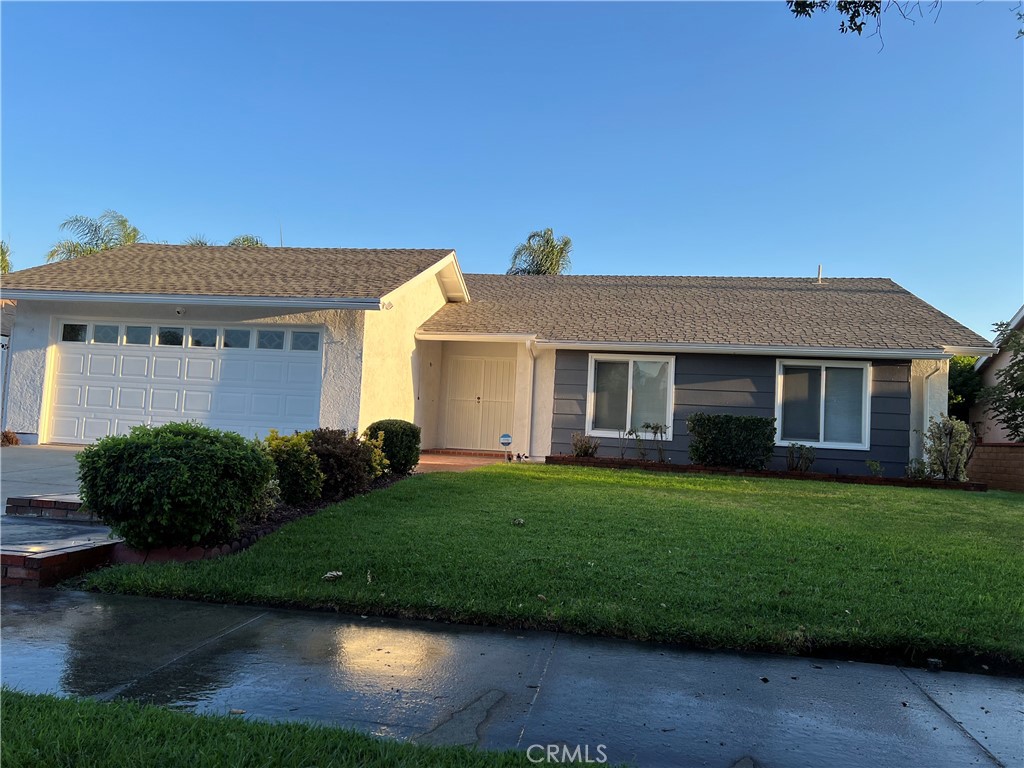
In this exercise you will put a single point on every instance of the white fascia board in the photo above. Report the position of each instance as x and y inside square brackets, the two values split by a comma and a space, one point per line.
[281, 302]
[748, 349]
[499, 337]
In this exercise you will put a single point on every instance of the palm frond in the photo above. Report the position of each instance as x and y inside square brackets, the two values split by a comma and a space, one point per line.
[197, 240]
[248, 241]
[5, 257]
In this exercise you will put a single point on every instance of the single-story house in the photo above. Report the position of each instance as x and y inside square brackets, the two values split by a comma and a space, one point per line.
[250, 339]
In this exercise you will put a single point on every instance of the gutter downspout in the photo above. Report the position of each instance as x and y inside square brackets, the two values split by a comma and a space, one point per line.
[530, 347]
[928, 396]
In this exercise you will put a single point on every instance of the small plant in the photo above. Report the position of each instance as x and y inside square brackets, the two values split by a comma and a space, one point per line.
[723, 440]
[948, 445]
[583, 446]
[350, 465]
[658, 432]
[401, 443]
[623, 443]
[799, 457]
[638, 438]
[875, 467]
[9, 438]
[173, 485]
[298, 471]
[917, 469]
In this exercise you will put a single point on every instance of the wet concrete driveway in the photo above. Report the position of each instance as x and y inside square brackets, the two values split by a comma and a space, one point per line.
[436, 683]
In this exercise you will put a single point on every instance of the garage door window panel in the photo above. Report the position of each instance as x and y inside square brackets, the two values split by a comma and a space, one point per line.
[269, 339]
[237, 338]
[203, 337]
[170, 337]
[306, 341]
[106, 334]
[141, 335]
[74, 332]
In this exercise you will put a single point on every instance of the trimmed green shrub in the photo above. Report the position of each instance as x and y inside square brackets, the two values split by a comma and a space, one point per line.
[948, 445]
[349, 464]
[401, 443]
[173, 485]
[723, 440]
[299, 476]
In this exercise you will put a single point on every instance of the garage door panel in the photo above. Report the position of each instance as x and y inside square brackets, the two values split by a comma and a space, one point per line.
[235, 370]
[68, 394]
[96, 427]
[135, 366]
[265, 404]
[65, 429]
[197, 402]
[166, 367]
[99, 397]
[109, 388]
[131, 398]
[164, 400]
[102, 365]
[199, 370]
[71, 362]
[267, 372]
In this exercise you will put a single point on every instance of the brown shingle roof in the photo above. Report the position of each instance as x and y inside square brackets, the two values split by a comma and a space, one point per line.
[868, 313]
[186, 270]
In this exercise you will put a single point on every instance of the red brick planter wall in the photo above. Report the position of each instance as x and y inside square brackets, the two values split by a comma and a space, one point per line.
[821, 477]
[122, 553]
[48, 568]
[999, 465]
[49, 508]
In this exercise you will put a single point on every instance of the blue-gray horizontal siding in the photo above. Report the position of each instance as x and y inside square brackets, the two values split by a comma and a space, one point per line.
[743, 385]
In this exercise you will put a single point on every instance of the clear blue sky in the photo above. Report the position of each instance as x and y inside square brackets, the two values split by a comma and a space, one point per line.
[691, 138]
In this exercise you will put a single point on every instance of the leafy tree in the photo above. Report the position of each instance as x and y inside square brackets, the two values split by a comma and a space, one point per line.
[964, 386]
[5, 257]
[855, 14]
[109, 230]
[1005, 399]
[542, 254]
[245, 241]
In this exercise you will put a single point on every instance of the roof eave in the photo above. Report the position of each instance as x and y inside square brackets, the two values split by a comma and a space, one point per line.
[277, 302]
[765, 350]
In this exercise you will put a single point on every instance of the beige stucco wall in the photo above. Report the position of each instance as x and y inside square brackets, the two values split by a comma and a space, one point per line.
[543, 403]
[929, 397]
[391, 365]
[428, 391]
[991, 431]
[36, 330]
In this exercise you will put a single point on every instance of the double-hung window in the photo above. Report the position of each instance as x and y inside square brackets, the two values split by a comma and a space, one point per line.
[627, 391]
[823, 403]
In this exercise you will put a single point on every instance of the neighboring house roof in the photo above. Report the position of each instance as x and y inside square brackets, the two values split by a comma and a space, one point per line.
[1016, 323]
[839, 313]
[7, 313]
[292, 274]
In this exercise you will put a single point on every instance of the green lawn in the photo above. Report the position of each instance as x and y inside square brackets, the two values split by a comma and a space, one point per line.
[711, 561]
[48, 731]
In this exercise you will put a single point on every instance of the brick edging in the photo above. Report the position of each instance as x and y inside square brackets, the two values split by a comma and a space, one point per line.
[49, 508]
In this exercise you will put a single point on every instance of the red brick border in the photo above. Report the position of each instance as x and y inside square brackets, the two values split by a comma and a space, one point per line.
[49, 508]
[44, 569]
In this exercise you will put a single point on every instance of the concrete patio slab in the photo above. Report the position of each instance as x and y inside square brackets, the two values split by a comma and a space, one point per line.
[648, 704]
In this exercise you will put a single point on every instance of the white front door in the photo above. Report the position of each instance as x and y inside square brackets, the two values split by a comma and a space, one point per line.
[111, 376]
[481, 401]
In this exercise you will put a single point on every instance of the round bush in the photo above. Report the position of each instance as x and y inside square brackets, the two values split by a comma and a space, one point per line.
[173, 485]
[349, 464]
[298, 471]
[401, 443]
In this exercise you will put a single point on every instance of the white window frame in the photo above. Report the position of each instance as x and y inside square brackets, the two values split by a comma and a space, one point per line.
[865, 366]
[596, 357]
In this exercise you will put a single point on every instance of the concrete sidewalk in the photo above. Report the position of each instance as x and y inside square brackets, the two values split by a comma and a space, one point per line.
[34, 470]
[434, 683]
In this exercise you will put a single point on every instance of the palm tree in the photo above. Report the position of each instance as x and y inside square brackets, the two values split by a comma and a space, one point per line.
[5, 257]
[109, 230]
[244, 241]
[541, 254]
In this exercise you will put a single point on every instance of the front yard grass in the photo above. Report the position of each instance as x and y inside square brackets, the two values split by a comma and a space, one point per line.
[40, 730]
[892, 574]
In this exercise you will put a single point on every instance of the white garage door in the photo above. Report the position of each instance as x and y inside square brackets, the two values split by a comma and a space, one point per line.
[112, 376]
